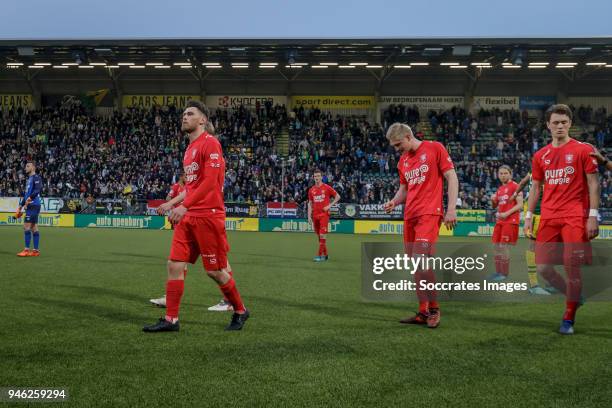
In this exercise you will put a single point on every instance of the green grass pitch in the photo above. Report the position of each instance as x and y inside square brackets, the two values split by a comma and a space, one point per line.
[73, 318]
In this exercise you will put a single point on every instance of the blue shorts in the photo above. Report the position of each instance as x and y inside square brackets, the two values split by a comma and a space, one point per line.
[31, 214]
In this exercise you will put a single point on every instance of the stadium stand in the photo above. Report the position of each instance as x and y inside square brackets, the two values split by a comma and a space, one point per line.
[136, 154]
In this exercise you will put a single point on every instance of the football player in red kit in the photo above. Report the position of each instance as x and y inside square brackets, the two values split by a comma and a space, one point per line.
[506, 229]
[423, 167]
[200, 222]
[568, 221]
[318, 211]
[174, 198]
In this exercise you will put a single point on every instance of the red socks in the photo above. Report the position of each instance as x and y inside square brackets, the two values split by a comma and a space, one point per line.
[231, 274]
[427, 298]
[231, 293]
[570, 310]
[322, 247]
[502, 265]
[174, 292]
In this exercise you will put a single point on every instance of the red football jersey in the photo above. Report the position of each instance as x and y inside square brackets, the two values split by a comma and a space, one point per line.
[319, 197]
[504, 203]
[175, 190]
[204, 177]
[562, 171]
[422, 172]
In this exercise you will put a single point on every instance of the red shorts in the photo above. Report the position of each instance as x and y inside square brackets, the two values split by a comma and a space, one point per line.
[421, 234]
[505, 234]
[195, 236]
[320, 223]
[559, 238]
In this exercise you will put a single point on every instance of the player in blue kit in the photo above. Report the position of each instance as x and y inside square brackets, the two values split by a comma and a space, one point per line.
[30, 203]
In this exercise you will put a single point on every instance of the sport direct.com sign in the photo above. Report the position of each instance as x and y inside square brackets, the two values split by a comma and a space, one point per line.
[334, 102]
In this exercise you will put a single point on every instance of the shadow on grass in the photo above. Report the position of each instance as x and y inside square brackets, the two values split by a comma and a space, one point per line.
[134, 255]
[350, 309]
[95, 292]
[117, 261]
[88, 309]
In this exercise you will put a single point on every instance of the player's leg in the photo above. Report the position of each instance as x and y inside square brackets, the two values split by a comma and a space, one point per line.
[548, 243]
[184, 250]
[499, 250]
[323, 230]
[27, 235]
[161, 301]
[35, 239]
[316, 225]
[549, 250]
[426, 235]
[224, 304]
[532, 271]
[574, 239]
[409, 242]
[212, 240]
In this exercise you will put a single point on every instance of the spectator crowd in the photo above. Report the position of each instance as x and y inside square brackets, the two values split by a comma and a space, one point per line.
[137, 154]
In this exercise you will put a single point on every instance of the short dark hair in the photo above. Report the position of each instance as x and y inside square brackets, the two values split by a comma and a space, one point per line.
[199, 105]
[559, 109]
[31, 161]
[317, 171]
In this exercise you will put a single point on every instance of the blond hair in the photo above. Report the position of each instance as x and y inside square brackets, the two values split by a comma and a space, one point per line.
[209, 127]
[398, 131]
[505, 167]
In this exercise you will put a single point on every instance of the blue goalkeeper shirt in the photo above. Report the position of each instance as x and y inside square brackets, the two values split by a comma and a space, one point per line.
[33, 190]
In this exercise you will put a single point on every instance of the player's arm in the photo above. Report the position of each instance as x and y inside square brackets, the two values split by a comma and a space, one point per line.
[168, 205]
[334, 201]
[399, 198]
[494, 201]
[521, 185]
[212, 168]
[593, 222]
[309, 211]
[450, 219]
[517, 207]
[601, 159]
[35, 190]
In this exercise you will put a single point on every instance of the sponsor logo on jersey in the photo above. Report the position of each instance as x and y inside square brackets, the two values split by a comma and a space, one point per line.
[416, 176]
[559, 176]
[191, 172]
[319, 198]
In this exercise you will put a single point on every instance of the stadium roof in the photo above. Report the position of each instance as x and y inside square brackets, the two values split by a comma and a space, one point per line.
[291, 54]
